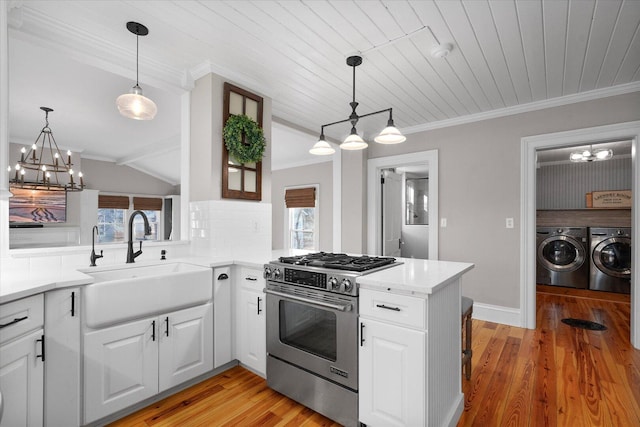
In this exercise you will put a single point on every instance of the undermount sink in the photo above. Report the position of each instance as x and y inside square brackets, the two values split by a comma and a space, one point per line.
[122, 294]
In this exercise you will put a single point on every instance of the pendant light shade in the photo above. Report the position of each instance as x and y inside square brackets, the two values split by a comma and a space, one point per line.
[390, 135]
[353, 142]
[322, 147]
[134, 105]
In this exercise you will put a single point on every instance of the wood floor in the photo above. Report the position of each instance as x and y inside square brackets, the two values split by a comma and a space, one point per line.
[555, 375]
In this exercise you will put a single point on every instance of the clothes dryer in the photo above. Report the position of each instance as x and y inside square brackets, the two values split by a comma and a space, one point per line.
[610, 259]
[562, 256]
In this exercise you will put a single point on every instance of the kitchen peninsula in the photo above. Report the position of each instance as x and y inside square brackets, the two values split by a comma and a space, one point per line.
[418, 344]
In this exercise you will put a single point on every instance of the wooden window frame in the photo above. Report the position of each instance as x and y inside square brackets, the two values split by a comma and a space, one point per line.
[226, 192]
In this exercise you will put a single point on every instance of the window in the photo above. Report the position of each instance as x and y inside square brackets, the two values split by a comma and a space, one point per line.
[112, 216]
[114, 213]
[302, 227]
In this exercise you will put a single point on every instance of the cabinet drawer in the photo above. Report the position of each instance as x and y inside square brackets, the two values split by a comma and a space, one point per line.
[399, 309]
[21, 316]
[251, 278]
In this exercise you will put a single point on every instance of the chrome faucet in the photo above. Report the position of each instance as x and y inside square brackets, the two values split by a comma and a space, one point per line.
[94, 257]
[131, 256]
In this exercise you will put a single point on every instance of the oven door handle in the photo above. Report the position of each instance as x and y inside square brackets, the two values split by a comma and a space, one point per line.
[339, 307]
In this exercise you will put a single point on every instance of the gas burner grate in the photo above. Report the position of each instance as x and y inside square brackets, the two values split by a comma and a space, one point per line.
[338, 261]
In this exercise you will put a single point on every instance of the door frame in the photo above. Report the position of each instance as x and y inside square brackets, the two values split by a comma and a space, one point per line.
[529, 146]
[374, 199]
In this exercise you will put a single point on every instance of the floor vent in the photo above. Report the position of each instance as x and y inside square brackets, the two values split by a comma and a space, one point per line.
[584, 324]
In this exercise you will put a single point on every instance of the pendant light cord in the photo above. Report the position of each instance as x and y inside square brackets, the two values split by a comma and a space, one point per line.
[137, 41]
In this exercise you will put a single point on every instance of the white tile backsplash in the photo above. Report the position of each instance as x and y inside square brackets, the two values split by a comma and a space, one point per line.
[229, 228]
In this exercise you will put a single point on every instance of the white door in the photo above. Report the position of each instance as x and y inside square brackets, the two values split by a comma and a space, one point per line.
[391, 213]
[22, 382]
[251, 330]
[120, 367]
[186, 345]
[391, 358]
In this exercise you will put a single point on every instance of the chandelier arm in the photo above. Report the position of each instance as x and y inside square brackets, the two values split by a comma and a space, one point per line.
[376, 112]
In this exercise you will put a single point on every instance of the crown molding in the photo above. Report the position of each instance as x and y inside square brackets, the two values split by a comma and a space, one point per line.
[242, 79]
[524, 108]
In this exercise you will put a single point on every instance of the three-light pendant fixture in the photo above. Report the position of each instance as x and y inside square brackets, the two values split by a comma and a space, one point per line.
[389, 135]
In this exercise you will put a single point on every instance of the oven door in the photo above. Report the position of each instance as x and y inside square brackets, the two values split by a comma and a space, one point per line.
[314, 330]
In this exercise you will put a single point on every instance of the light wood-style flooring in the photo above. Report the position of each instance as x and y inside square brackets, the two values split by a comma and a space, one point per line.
[555, 375]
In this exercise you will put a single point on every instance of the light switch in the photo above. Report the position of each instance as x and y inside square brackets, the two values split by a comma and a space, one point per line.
[509, 223]
[443, 222]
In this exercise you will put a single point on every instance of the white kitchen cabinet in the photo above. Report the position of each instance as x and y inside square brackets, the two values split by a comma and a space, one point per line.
[409, 358]
[186, 345]
[62, 370]
[222, 317]
[127, 363]
[391, 358]
[22, 356]
[21, 374]
[251, 320]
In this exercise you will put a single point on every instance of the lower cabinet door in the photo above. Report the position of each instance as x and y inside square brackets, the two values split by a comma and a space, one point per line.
[186, 345]
[21, 382]
[391, 358]
[120, 366]
[251, 330]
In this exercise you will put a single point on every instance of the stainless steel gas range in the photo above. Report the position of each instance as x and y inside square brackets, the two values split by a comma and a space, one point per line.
[312, 330]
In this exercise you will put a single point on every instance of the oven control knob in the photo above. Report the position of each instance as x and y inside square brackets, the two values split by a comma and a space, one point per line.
[333, 283]
[276, 273]
[267, 273]
[347, 285]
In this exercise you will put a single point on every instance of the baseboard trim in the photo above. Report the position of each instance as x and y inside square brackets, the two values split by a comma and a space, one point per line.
[497, 314]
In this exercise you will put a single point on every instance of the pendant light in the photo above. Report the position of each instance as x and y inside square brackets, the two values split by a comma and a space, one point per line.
[135, 105]
[43, 166]
[389, 135]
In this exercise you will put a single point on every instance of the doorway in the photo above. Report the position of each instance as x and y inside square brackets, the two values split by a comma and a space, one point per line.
[529, 147]
[403, 165]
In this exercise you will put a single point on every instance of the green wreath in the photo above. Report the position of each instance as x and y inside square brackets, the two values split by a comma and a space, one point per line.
[244, 152]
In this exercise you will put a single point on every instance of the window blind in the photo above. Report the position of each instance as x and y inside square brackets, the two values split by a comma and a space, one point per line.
[113, 202]
[147, 203]
[300, 197]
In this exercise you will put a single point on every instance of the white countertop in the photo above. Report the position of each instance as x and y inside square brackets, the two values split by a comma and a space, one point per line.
[414, 276]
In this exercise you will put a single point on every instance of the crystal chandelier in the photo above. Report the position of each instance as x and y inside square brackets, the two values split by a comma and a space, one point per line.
[389, 135]
[591, 155]
[43, 166]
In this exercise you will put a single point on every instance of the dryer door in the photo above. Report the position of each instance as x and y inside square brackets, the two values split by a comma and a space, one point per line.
[561, 253]
[612, 256]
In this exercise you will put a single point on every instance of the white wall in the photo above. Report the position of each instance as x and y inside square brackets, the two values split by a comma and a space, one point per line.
[479, 186]
[320, 174]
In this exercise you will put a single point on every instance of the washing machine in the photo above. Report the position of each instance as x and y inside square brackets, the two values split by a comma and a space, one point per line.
[562, 256]
[610, 259]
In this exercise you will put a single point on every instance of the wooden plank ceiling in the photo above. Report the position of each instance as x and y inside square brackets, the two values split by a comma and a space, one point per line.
[505, 52]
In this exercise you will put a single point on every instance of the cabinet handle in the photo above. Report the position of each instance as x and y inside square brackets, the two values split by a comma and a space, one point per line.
[386, 307]
[259, 310]
[167, 323]
[223, 276]
[41, 341]
[16, 320]
[153, 330]
[361, 334]
[252, 279]
[73, 304]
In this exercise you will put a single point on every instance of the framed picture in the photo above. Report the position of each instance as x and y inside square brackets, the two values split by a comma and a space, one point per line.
[37, 206]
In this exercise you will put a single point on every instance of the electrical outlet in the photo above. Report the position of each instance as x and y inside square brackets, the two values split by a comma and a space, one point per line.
[443, 222]
[509, 223]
